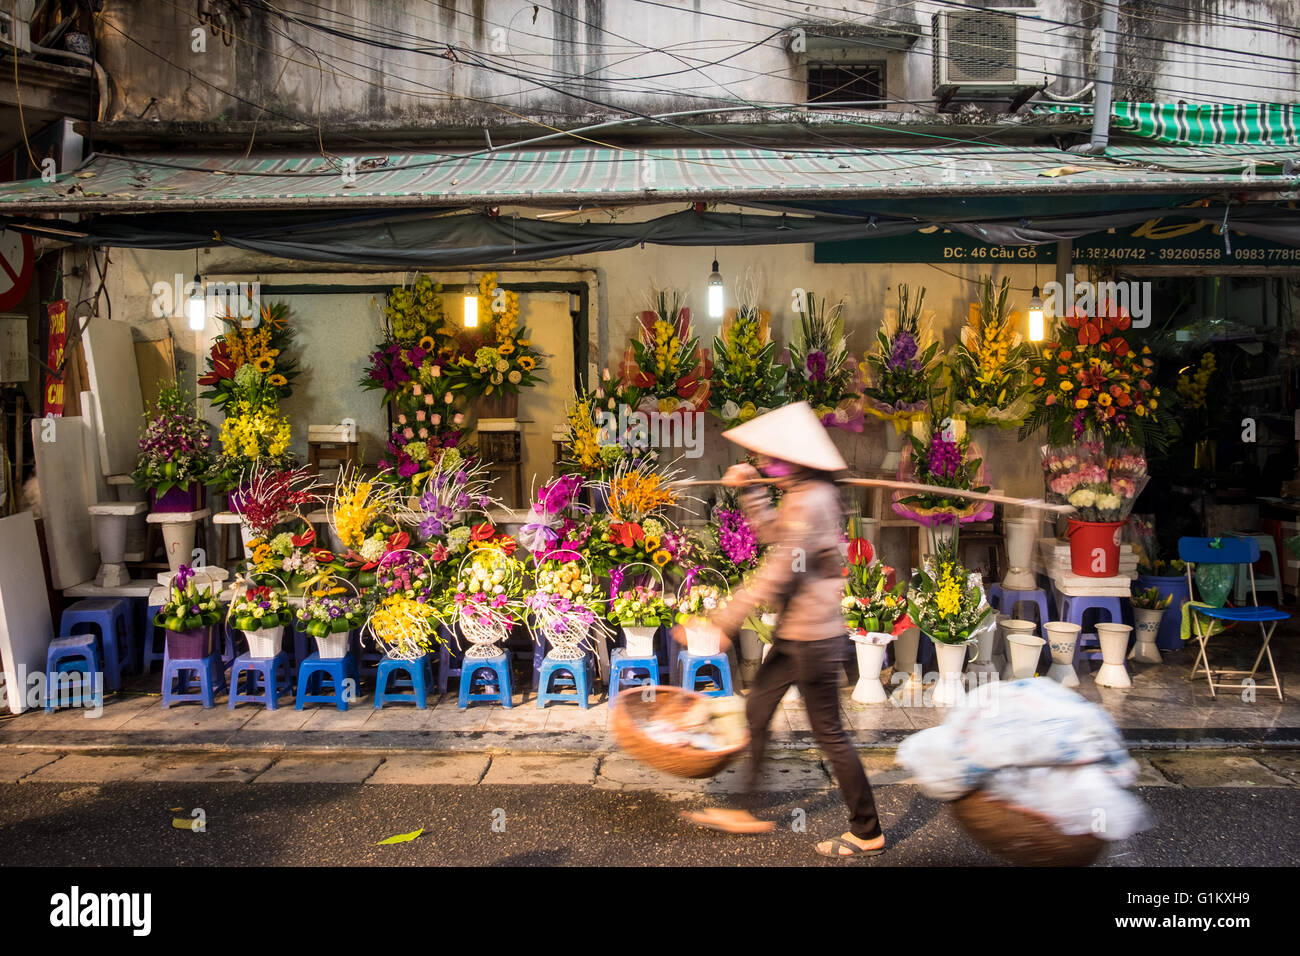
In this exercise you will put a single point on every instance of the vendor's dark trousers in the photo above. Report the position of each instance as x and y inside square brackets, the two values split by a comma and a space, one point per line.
[814, 667]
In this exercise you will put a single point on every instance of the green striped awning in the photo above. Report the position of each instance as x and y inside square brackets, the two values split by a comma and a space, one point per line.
[1201, 124]
[181, 182]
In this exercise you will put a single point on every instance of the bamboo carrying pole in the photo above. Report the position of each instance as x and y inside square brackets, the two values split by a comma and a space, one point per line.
[1034, 504]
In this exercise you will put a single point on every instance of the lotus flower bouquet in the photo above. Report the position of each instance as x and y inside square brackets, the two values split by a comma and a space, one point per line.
[188, 606]
[902, 370]
[821, 372]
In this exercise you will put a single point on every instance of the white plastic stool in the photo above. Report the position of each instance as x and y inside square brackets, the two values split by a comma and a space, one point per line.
[1273, 583]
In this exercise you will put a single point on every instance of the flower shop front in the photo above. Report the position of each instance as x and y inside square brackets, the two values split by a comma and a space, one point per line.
[432, 547]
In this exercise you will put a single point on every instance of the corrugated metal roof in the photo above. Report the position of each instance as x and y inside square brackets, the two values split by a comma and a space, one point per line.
[154, 182]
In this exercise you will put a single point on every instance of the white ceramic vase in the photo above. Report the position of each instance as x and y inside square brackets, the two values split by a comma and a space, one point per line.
[893, 449]
[1062, 638]
[1114, 646]
[702, 643]
[906, 648]
[264, 642]
[948, 690]
[1020, 535]
[1023, 649]
[1148, 626]
[640, 640]
[751, 653]
[178, 539]
[871, 656]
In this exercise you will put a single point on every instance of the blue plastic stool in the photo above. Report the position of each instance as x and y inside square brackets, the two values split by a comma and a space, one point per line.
[211, 678]
[111, 619]
[498, 679]
[337, 669]
[1006, 600]
[268, 669]
[553, 677]
[1074, 608]
[690, 667]
[367, 658]
[153, 634]
[414, 687]
[622, 667]
[66, 655]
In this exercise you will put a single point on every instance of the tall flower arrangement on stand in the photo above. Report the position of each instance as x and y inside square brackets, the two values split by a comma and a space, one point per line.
[269, 498]
[901, 371]
[249, 373]
[637, 527]
[821, 372]
[747, 378]
[664, 368]
[174, 447]
[945, 459]
[362, 516]
[989, 364]
[498, 359]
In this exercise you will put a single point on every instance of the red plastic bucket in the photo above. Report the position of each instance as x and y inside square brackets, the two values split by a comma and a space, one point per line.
[1094, 547]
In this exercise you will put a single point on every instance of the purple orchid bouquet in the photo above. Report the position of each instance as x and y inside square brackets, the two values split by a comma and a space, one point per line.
[945, 459]
[735, 551]
[456, 489]
[821, 371]
[903, 368]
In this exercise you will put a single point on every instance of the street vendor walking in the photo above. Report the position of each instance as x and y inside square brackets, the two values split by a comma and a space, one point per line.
[801, 579]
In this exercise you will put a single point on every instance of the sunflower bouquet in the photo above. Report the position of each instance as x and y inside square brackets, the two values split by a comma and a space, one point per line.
[903, 368]
[251, 362]
[1090, 380]
[499, 358]
[664, 364]
[989, 364]
[821, 373]
[946, 605]
[747, 378]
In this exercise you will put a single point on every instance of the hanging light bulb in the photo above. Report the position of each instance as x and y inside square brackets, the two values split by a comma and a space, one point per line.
[1037, 332]
[715, 292]
[471, 305]
[195, 307]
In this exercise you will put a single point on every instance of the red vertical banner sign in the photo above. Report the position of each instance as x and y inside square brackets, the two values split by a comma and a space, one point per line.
[58, 313]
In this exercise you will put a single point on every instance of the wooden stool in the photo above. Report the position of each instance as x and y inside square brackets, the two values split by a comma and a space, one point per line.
[330, 443]
[500, 445]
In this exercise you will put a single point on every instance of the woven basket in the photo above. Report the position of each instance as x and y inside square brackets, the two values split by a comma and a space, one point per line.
[1021, 836]
[633, 707]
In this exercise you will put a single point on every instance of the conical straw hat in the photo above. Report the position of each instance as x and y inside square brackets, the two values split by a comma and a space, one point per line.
[791, 433]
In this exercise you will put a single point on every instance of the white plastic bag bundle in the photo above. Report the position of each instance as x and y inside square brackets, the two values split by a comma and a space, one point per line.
[1037, 745]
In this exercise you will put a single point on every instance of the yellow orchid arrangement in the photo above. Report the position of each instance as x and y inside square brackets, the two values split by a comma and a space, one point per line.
[254, 432]
[358, 505]
[747, 378]
[502, 359]
[988, 366]
[405, 627]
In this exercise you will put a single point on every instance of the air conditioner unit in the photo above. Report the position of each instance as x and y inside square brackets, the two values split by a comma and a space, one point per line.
[979, 50]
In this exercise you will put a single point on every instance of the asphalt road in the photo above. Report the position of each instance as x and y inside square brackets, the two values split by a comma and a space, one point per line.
[44, 824]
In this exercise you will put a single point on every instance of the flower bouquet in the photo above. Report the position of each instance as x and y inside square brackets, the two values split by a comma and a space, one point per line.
[699, 600]
[421, 435]
[821, 372]
[269, 498]
[174, 460]
[261, 612]
[188, 616]
[664, 368]
[485, 599]
[947, 605]
[735, 550]
[903, 368]
[874, 611]
[250, 362]
[362, 518]
[564, 604]
[747, 378]
[293, 557]
[405, 627]
[948, 461]
[330, 614]
[636, 528]
[1102, 486]
[1089, 380]
[499, 359]
[456, 488]
[556, 512]
[988, 365]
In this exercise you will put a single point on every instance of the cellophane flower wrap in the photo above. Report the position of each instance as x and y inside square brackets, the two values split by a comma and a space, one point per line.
[946, 603]
[555, 517]
[1100, 482]
[188, 606]
[664, 368]
[174, 449]
[945, 460]
[1089, 380]
[331, 608]
[258, 607]
[269, 497]
[901, 371]
[821, 372]
[989, 363]
[869, 604]
[747, 378]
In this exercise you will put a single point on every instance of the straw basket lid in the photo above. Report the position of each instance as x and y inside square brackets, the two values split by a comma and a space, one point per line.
[791, 433]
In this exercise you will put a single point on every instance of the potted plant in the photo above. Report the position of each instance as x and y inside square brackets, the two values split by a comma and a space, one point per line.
[261, 612]
[188, 617]
[174, 460]
[875, 614]
[329, 615]
[1149, 607]
[949, 609]
[1169, 578]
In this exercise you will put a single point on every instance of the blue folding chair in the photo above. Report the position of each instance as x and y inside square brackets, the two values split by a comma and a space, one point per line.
[1237, 551]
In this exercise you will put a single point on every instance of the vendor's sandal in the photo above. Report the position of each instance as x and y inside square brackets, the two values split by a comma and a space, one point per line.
[839, 844]
[725, 822]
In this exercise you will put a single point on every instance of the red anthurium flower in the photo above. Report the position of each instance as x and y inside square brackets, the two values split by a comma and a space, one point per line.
[399, 541]
[506, 544]
[322, 555]
[860, 551]
[304, 539]
[1119, 346]
[222, 367]
[481, 532]
[1089, 334]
